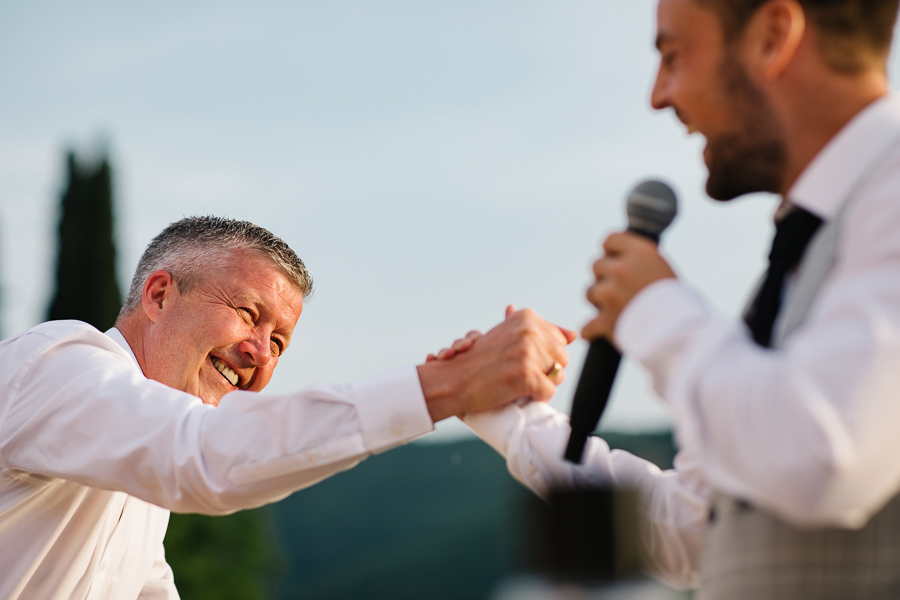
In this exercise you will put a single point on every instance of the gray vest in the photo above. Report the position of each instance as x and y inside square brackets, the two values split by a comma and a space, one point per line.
[749, 554]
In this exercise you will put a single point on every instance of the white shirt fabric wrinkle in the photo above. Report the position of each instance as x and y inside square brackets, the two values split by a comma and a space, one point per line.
[93, 456]
[807, 431]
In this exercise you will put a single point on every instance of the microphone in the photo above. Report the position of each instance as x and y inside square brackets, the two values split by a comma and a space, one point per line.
[651, 206]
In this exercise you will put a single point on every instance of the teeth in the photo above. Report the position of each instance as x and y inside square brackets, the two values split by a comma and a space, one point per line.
[227, 371]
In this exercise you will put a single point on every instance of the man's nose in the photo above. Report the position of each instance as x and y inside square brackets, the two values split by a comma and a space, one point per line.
[659, 95]
[257, 348]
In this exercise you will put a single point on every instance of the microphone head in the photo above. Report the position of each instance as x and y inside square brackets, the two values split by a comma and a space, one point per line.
[651, 207]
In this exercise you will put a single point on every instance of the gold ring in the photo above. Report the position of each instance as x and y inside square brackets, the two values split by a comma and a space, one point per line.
[554, 371]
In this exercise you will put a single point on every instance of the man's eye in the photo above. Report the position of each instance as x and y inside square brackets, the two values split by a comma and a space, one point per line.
[247, 314]
[277, 348]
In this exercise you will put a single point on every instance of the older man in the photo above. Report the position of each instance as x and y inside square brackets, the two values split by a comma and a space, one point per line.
[101, 434]
[787, 482]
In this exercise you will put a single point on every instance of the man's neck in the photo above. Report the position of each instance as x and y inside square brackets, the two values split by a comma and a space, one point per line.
[819, 111]
[130, 327]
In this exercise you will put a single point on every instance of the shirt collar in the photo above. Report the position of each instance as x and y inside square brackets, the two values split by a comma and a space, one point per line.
[119, 339]
[828, 180]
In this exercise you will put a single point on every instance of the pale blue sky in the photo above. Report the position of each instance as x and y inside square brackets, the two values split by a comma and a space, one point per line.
[430, 161]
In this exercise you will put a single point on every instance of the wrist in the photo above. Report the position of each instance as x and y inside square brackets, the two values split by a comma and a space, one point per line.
[439, 389]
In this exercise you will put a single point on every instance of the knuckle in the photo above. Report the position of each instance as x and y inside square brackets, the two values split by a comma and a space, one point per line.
[517, 356]
[527, 331]
[528, 315]
[531, 339]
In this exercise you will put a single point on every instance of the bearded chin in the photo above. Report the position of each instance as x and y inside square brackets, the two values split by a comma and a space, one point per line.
[737, 168]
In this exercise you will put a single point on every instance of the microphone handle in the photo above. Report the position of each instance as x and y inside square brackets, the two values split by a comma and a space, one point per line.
[595, 385]
[592, 394]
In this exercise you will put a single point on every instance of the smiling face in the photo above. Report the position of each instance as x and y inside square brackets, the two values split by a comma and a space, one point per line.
[226, 334]
[702, 79]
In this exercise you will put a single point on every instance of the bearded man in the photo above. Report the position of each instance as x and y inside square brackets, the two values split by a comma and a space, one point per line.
[787, 479]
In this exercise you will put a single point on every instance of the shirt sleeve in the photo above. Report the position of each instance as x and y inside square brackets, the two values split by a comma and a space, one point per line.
[807, 431]
[81, 411]
[532, 438]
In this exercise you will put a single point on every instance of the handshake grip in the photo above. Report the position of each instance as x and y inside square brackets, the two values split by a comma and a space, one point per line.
[651, 206]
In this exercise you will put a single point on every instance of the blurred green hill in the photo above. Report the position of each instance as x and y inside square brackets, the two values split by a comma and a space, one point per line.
[435, 520]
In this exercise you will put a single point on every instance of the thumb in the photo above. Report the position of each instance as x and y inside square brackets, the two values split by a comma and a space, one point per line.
[570, 335]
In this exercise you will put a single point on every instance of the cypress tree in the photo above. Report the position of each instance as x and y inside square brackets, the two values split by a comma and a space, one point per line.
[86, 284]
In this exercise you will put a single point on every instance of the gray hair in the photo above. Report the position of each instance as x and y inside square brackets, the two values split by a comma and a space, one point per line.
[194, 246]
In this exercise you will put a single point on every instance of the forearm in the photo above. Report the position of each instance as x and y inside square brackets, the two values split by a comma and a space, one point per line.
[138, 436]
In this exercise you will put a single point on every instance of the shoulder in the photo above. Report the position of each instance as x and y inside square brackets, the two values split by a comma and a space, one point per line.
[60, 332]
[55, 337]
[61, 329]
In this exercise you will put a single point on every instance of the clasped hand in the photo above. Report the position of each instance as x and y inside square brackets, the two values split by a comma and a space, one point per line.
[509, 362]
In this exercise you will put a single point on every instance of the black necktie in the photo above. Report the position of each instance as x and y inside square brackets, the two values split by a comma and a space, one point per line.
[792, 234]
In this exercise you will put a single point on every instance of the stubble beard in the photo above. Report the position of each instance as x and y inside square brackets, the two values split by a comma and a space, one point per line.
[752, 159]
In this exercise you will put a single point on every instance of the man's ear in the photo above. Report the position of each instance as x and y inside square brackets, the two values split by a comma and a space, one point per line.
[774, 35]
[159, 288]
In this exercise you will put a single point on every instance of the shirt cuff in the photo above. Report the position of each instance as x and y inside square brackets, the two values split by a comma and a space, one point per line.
[391, 408]
[497, 427]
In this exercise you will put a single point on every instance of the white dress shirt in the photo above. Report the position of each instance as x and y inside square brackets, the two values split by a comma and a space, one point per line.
[807, 432]
[93, 456]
